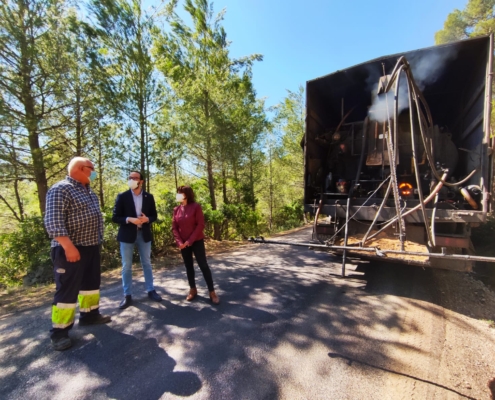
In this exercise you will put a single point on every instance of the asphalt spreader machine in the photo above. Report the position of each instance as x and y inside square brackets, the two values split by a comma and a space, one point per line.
[398, 156]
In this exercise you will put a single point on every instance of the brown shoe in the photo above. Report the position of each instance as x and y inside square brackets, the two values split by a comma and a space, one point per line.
[214, 298]
[193, 292]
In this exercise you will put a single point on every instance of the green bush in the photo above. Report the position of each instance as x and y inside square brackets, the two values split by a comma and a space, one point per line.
[162, 228]
[212, 217]
[25, 254]
[110, 248]
[242, 219]
[289, 216]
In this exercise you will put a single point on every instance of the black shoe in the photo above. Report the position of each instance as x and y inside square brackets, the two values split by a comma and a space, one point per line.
[153, 295]
[61, 343]
[126, 302]
[95, 319]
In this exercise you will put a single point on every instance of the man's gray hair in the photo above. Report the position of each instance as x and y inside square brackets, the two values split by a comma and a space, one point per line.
[75, 161]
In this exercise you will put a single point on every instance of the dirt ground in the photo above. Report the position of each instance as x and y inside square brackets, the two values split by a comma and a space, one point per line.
[466, 299]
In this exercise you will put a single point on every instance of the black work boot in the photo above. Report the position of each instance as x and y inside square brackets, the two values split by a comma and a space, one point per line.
[94, 319]
[61, 343]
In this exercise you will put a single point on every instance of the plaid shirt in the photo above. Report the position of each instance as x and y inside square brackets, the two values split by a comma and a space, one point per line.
[73, 210]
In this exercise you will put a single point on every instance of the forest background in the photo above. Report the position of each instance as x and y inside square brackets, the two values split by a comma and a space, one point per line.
[135, 88]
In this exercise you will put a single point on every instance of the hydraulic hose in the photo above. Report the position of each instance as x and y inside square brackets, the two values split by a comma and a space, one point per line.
[385, 198]
[415, 160]
[359, 208]
[433, 213]
[429, 122]
[427, 200]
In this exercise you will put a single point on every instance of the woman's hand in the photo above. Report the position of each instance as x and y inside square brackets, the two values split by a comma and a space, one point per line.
[184, 245]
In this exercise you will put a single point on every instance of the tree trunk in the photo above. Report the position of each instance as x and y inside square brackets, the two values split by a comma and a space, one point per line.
[224, 185]
[142, 122]
[79, 134]
[18, 199]
[175, 174]
[31, 124]
[270, 172]
[251, 179]
[236, 179]
[100, 168]
[213, 201]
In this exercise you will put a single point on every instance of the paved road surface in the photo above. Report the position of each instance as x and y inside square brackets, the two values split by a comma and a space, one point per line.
[288, 327]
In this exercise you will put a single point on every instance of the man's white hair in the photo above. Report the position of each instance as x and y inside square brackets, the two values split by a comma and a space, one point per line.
[75, 161]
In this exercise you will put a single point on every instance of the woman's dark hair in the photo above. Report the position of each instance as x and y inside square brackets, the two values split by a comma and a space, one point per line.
[188, 192]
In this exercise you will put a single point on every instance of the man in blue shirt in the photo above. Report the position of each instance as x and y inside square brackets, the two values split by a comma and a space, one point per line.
[135, 211]
[74, 222]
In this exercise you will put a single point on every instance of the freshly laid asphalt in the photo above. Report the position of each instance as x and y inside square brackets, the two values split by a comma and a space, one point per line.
[286, 328]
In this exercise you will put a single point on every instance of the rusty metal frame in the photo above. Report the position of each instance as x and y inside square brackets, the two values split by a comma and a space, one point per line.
[377, 251]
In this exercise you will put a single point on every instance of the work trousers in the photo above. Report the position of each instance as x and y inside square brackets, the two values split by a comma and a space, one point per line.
[198, 249]
[75, 282]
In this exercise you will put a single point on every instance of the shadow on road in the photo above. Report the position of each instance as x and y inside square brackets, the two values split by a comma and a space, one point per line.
[133, 368]
[283, 311]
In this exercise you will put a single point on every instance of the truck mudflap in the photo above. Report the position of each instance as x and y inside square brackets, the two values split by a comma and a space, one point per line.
[443, 260]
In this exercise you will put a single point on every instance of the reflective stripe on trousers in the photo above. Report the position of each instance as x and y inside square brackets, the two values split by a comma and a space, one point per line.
[63, 314]
[88, 300]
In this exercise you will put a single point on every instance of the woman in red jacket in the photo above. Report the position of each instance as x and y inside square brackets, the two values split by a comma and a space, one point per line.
[187, 225]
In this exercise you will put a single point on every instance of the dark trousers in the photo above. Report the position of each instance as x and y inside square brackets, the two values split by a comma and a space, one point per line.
[73, 277]
[198, 249]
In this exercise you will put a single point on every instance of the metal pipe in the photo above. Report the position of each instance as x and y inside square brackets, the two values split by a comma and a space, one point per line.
[346, 235]
[485, 167]
[433, 240]
[376, 250]
[385, 198]
[415, 160]
[337, 202]
[403, 62]
[415, 208]
[424, 138]
[392, 150]
[320, 204]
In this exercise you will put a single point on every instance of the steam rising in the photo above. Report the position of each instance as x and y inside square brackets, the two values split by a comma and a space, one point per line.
[427, 67]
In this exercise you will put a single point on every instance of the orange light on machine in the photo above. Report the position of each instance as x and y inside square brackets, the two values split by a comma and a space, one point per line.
[405, 189]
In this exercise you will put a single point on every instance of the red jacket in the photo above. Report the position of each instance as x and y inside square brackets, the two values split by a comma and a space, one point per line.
[188, 223]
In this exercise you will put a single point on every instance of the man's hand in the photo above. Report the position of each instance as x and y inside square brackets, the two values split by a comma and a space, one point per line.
[184, 245]
[144, 219]
[135, 221]
[71, 252]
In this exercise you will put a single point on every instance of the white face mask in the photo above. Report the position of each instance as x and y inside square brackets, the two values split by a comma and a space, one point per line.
[132, 184]
[179, 196]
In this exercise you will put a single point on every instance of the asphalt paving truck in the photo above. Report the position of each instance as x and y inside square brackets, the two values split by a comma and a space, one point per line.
[398, 156]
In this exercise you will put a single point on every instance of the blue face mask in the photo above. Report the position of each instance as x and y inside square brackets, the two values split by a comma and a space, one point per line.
[92, 177]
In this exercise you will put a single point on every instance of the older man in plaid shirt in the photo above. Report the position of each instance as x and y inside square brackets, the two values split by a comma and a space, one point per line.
[73, 220]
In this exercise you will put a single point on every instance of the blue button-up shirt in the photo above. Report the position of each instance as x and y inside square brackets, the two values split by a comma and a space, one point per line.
[73, 210]
[138, 203]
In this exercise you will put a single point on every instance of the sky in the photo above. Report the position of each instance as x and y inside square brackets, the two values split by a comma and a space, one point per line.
[301, 40]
